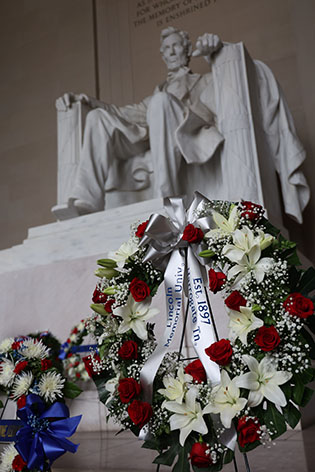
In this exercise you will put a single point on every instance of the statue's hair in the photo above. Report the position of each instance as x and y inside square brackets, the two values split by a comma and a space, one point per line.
[183, 34]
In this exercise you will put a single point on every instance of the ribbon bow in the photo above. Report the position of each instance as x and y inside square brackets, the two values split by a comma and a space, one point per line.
[43, 436]
[167, 250]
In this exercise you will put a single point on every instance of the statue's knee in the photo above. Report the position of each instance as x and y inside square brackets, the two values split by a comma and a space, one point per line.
[93, 117]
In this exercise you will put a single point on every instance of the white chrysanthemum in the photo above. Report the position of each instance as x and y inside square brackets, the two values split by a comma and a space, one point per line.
[7, 372]
[33, 349]
[5, 345]
[7, 456]
[22, 384]
[51, 385]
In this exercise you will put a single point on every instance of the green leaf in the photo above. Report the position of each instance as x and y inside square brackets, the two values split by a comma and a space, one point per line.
[182, 465]
[298, 389]
[291, 414]
[308, 375]
[310, 322]
[99, 308]
[274, 420]
[309, 339]
[153, 444]
[100, 385]
[293, 259]
[228, 456]
[108, 263]
[307, 395]
[168, 457]
[206, 253]
[286, 388]
[71, 390]
[256, 308]
[307, 282]
[294, 277]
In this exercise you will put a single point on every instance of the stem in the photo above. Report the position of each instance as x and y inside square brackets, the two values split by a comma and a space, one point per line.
[4, 407]
[211, 315]
[235, 464]
[246, 462]
[158, 468]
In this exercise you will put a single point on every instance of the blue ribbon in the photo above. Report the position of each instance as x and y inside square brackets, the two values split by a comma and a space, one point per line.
[43, 436]
[64, 351]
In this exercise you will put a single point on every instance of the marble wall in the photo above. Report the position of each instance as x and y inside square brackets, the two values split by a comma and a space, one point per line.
[49, 47]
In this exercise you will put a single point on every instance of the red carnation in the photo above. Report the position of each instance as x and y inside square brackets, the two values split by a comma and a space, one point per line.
[200, 455]
[139, 289]
[220, 352]
[192, 234]
[251, 211]
[197, 371]
[216, 280]
[267, 338]
[108, 305]
[21, 401]
[20, 366]
[140, 412]
[298, 305]
[45, 364]
[88, 363]
[141, 229]
[16, 345]
[128, 389]
[235, 300]
[248, 430]
[98, 296]
[128, 350]
[18, 463]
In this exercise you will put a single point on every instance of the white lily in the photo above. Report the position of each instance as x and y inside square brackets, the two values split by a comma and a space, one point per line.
[122, 254]
[264, 239]
[250, 262]
[135, 315]
[224, 226]
[226, 400]
[242, 322]
[244, 240]
[175, 388]
[263, 381]
[187, 417]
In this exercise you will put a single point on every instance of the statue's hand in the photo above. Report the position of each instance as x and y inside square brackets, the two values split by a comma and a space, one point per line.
[64, 103]
[206, 45]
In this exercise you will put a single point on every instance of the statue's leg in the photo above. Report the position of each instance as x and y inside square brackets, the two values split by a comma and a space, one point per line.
[164, 115]
[106, 138]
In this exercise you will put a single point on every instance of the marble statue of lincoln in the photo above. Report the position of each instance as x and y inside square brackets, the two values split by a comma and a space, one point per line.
[177, 124]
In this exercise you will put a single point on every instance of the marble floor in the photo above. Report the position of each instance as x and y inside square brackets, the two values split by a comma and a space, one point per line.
[102, 451]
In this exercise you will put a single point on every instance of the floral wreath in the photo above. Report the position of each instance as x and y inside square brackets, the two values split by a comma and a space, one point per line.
[31, 374]
[243, 389]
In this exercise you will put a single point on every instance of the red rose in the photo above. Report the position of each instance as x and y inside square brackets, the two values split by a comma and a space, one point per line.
[139, 289]
[20, 366]
[220, 352]
[128, 350]
[200, 455]
[299, 306]
[128, 389]
[248, 430]
[251, 211]
[45, 364]
[192, 234]
[216, 280]
[89, 365]
[197, 371]
[141, 229]
[18, 463]
[140, 412]
[75, 330]
[21, 401]
[267, 338]
[108, 305]
[98, 296]
[235, 300]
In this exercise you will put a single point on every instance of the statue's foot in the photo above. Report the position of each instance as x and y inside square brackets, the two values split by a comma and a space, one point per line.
[83, 208]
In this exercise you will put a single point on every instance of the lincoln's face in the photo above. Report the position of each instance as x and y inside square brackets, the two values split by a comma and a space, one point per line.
[173, 52]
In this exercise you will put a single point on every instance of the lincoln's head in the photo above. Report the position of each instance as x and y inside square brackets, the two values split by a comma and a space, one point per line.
[175, 48]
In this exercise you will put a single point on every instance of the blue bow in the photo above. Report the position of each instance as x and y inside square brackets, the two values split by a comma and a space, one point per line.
[43, 436]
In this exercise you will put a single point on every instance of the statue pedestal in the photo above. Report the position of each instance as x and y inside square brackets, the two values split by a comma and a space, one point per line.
[47, 282]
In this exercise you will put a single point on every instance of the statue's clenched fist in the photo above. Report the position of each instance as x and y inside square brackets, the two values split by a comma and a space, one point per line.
[206, 45]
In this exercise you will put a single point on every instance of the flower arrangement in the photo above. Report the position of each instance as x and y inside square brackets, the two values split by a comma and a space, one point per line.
[244, 388]
[31, 374]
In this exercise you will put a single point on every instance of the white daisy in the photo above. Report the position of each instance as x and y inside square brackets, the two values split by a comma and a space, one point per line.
[33, 349]
[22, 384]
[5, 345]
[7, 456]
[7, 372]
[51, 385]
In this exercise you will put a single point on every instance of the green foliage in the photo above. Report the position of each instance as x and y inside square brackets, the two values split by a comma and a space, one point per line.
[307, 282]
[274, 420]
[168, 457]
[71, 390]
[298, 389]
[100, 382]
[291, 414]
